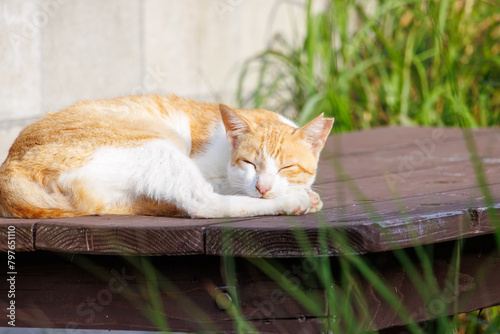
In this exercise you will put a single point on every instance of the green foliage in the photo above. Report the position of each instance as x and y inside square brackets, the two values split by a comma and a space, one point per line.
[409, 62]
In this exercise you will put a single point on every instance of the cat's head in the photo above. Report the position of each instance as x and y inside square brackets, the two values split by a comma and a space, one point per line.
[269, 155]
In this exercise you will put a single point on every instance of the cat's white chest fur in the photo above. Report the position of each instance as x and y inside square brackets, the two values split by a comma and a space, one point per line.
[213, 161]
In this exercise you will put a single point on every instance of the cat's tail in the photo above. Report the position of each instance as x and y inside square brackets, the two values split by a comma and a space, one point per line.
[23, 198]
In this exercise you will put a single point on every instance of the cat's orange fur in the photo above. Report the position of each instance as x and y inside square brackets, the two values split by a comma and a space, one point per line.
[65, 141]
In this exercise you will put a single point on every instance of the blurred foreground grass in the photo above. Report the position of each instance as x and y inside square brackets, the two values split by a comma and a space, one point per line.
[372, 63]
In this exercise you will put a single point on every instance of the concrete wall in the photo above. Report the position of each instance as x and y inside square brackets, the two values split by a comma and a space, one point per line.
[55, 52]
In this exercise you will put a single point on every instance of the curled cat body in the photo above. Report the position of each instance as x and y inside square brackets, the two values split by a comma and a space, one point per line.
[162, 155]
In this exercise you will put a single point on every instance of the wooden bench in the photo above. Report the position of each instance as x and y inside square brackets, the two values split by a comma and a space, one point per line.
[386, 192]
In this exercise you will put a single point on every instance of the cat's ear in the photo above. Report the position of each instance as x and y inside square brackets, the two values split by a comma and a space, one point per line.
[235, 124]
[316, 132]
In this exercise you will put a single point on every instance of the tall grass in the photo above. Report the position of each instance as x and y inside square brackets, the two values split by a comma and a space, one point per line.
[368, 63]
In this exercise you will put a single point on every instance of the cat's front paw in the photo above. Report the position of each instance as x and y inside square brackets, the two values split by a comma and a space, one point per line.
[314, 199]
[295, 203]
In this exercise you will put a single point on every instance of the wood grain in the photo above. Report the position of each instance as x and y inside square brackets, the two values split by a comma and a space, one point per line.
[366, 227]
[122, 235]
[111, 292]
[24, 234]
[404, 160]
[394, 138]
[472, 285]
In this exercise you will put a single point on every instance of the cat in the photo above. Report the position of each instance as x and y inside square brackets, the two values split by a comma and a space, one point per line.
[162, 155]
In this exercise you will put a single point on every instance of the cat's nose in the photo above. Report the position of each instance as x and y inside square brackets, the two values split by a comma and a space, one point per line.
[262, 188]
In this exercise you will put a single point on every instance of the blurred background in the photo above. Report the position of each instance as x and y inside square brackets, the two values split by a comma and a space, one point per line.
[366, 63]
[56, 52]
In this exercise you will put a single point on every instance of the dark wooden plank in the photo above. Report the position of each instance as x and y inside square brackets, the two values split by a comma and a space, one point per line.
[393, 138]
[380, 188]
[111, 292]
[463, 286]
[23, 231]
[368, 227]
[139, 235]
[401, 160]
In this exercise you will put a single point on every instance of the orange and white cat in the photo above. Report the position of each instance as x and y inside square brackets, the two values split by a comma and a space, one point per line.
[162, 155]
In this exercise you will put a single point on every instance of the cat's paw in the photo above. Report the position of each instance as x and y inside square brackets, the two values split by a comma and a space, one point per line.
[295, 203]
[314, 199]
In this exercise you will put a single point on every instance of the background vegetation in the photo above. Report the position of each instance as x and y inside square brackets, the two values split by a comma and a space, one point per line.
[370, 63]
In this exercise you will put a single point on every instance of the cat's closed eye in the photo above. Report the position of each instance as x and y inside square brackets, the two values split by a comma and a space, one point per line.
[295, 167]
[286, 167]
[248, 162]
